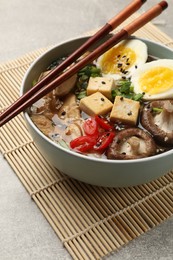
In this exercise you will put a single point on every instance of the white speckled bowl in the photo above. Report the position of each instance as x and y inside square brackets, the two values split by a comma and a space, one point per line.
[102, 172]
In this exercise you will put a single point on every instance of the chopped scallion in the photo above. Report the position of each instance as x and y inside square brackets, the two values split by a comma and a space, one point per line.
[157, 109]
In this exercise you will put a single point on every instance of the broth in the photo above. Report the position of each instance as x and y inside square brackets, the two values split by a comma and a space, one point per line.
[59, 116]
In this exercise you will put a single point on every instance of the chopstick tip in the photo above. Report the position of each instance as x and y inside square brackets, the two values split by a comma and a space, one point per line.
[163, 5]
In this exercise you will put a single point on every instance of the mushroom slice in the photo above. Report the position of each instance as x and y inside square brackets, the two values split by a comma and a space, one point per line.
[73, 130]
[157, 118]
[65, 88]
[132, 143]
[69, 109]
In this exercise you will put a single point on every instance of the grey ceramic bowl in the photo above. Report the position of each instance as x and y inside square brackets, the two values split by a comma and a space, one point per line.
[102, 172]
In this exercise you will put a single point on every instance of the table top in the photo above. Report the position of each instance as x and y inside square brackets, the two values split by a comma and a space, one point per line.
[26, 26]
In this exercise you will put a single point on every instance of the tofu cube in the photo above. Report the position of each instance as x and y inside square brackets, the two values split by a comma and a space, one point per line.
[95, 104]
[125, 110]
[100, 84]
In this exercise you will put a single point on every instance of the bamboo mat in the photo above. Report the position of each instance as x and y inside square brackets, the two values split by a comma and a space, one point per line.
[90, 221]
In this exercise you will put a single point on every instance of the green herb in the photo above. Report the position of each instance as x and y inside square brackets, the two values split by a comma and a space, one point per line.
[157, 109]
[124, 86]
[34, 82]
[90, 71]
[125, 89]
[81, 94]
[138, 96]
[83, 77]
[55, 63]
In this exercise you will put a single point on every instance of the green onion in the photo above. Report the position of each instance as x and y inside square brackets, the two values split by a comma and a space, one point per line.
[83, 77]
[138, 97]
[157, 109]
[34, 82]
[90, 71]
[125, 89]
[81, 94]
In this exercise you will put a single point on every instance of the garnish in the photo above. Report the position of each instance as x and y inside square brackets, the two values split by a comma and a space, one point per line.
[34, 82]
[98, 136]
[157, 109]
[125, 89]
[56, 62]
[83, 78]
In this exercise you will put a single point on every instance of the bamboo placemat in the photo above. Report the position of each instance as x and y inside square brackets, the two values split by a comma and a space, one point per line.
[90, 221]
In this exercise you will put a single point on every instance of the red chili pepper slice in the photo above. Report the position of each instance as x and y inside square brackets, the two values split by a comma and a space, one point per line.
[90, 127]
[83, 143]
[104, 140]
[103, 123]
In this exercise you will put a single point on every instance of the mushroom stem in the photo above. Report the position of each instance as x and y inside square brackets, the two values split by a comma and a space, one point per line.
[160, 125]
[134, 142]
[131, 143]
[164, 120]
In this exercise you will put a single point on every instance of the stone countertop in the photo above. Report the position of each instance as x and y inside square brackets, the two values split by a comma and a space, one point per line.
[25, 26]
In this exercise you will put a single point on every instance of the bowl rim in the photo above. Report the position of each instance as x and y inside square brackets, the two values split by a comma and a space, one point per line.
[71, 152]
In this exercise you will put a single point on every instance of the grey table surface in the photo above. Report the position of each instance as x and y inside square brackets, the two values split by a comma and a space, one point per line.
[25, 26]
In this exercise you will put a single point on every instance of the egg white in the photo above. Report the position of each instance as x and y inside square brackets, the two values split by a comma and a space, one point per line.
[136, 46]
[149, 67]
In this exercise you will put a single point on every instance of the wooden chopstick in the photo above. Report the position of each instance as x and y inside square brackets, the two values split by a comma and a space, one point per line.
[16, 108]
[108, 27]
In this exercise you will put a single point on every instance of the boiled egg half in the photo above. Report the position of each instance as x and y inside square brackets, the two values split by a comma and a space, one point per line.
[123, 59]
[154, 79]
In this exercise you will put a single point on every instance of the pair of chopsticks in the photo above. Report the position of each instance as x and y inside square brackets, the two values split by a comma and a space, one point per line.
[53, 79]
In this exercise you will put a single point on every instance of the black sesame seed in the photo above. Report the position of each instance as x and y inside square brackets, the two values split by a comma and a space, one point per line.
[136, 66]
[103, 82]
[129, 113]
[63, 113]
[121, 98]
[102, 99]
[119, 65]
[127, 63]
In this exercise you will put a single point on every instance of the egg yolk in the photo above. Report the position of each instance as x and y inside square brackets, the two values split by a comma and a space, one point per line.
[118, 60]
[156, 80]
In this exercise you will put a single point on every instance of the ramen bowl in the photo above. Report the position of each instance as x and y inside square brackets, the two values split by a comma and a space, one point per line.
[95, 171]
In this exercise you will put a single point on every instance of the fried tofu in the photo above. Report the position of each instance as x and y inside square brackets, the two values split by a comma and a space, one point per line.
[95, 104]
[125, 111]
[100, 84]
